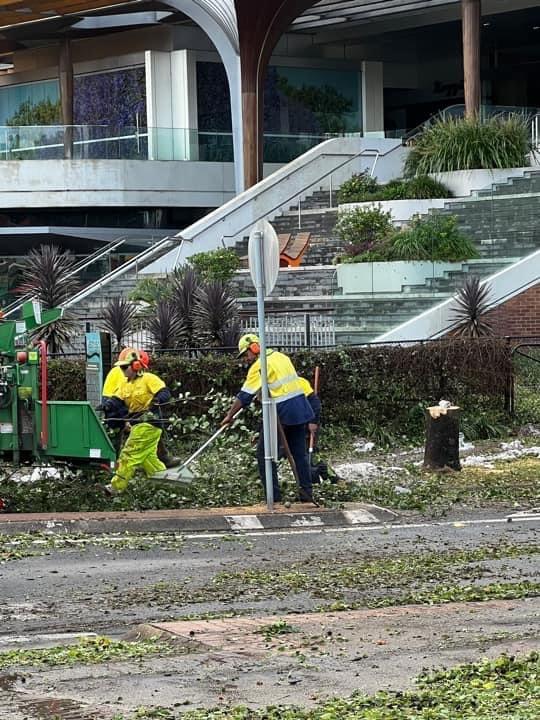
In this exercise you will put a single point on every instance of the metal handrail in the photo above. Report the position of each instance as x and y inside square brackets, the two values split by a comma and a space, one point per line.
[377, 155]
[77, 268]
[125, 267]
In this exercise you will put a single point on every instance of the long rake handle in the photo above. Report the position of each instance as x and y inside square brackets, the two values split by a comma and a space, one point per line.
[208, 442]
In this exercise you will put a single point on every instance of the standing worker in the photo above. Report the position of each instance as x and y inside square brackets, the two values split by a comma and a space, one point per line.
[143, 393]
[293, 410]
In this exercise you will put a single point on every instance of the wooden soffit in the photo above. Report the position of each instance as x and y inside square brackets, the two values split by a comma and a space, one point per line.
[17, 12]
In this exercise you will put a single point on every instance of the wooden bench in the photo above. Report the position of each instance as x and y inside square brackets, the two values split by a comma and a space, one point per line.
[284, 239]
[293, 252]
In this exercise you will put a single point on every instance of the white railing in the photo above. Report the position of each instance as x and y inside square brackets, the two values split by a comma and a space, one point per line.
[294, 330]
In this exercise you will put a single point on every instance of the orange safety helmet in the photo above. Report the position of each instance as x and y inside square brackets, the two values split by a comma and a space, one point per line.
[131, 359]
[125, 353]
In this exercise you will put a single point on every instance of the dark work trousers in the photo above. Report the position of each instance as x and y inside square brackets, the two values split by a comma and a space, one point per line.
[296, 439]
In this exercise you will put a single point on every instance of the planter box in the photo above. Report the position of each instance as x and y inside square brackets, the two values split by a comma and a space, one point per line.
[463, 182]
[390, 277]
[402, 210]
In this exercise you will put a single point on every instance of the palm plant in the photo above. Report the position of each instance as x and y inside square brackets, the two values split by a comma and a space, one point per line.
[215, 310]
[118, 318]
[472, 303]
[185, 285]
[165, 326]
[44, 276]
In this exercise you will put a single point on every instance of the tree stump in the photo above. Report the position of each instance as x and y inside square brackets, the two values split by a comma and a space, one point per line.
[442, 438]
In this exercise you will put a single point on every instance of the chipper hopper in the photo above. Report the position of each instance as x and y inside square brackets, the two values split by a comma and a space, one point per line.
[33, 428]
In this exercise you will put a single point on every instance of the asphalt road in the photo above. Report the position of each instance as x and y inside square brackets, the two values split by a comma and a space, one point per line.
[106, 590]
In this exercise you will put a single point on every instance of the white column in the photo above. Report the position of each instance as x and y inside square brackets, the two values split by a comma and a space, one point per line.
[171, 105]
[184, 104]
[372, 98]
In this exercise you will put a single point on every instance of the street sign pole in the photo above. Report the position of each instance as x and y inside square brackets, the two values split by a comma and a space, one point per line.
[258, 261]
[263, 258]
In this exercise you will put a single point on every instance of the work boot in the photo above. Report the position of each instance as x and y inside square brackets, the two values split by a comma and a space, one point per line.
[307, 497]
[170, 461]
[110, 491]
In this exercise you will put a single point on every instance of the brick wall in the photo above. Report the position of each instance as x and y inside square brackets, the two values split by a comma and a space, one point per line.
[519, 316]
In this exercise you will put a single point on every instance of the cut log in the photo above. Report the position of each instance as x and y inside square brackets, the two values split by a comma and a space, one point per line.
[442, 438]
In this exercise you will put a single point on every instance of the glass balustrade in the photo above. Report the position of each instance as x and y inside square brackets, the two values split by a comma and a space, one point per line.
[106, 142]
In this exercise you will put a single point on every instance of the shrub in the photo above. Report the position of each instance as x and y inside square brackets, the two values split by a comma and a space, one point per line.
[423, 187]
[151, 290]
[417, 188]
[366, 233]
[220, 264]
[386, 384]
[358, 185]
[436, 238]
[467, 144]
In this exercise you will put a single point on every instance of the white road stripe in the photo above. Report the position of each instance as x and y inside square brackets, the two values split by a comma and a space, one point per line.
[244, 522]
[46, 638]
[365, 528]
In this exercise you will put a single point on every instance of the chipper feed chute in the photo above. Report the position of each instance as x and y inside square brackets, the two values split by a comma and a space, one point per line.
[32, 427]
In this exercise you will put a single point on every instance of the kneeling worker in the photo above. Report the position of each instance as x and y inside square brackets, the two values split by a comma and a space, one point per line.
[143, 393]
[293, 409]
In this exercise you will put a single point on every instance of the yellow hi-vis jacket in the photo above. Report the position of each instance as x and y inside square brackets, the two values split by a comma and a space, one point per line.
[284, 386]
[114, 380]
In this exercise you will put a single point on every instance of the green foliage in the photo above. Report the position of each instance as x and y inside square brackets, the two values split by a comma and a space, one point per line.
[504, 688]
[44, 112]
[483, 425]
[363, 188]
[44, 276]
[468, 144]
[436, 238]
[359, 185]
[220, 264]
[90, 650]
[371, 237]
[388, 383]
[151, 290]
[366, 233]
[472, 303]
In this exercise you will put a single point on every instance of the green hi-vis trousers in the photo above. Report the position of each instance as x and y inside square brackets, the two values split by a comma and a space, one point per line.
[140, 450]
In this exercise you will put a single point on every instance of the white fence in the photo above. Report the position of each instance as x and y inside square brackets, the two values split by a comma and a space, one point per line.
[295, 330]
[287, 330]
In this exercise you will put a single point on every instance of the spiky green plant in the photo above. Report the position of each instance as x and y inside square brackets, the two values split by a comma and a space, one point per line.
[472, 304]
[215, 310]
[468, 144]
[44, 275]
[185, 283]
[166, 327]
[118, 318]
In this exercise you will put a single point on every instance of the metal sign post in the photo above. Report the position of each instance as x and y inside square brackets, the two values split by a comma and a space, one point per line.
[263, 254]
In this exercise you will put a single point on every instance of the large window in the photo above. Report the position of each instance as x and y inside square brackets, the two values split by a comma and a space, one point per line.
[116, 98]
[30, 104]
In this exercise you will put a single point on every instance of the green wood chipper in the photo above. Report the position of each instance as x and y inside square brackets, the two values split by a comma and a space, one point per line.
[32, 427]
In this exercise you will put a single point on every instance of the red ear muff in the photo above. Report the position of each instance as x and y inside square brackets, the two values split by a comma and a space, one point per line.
[255, 348]
[136, 366]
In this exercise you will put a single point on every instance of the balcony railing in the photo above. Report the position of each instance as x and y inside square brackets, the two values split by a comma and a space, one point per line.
[106, 142]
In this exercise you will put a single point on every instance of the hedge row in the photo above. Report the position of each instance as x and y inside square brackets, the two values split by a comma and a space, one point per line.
[386, 384]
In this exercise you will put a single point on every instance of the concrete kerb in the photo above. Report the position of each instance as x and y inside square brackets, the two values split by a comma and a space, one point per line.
[241, 520]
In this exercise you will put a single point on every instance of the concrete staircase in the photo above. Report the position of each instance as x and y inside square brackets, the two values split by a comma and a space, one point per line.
[501, 220]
